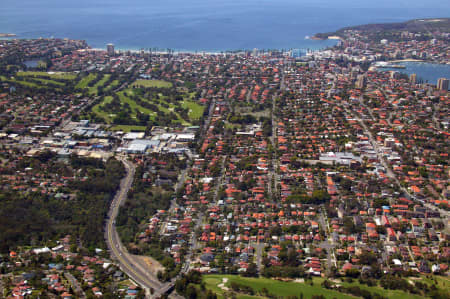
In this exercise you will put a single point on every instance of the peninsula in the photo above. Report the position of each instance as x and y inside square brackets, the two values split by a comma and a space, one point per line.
[384, 30]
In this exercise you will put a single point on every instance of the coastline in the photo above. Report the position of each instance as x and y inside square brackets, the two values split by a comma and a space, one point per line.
[7, 35]
[407, 60]
[315, 44]
[418, 60]
[331, 37]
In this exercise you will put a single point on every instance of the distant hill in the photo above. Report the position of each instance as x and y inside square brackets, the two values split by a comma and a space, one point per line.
[415, 26]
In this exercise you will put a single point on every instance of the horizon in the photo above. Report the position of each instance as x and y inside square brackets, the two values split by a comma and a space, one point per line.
[201, 25]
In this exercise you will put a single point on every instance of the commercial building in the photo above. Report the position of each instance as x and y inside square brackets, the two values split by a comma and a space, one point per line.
[360, 82]
[110, 49]
[442, 84]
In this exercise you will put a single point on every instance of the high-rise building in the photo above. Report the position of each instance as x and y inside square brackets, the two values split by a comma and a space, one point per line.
[442, 84]
[413, 78]
[110, 49]
[360, 82]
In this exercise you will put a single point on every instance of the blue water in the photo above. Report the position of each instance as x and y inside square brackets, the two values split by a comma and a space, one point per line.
[209, 25]
[427, 72]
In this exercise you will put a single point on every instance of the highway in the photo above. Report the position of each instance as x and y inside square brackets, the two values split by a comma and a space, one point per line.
[127, 262]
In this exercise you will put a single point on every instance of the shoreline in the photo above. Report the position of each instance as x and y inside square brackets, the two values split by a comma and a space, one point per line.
[7, 35]
[209, 52]
[314, 48]
[408, 60]
[418, 60]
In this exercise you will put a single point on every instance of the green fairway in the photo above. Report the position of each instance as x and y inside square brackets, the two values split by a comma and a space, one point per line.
[85, 81]
[112, 85]
[397, 294]
[442, 281]
[274, 287]
[195, 110]
[56, 75]
[97, 110]
[151, 83]
[23, 83]
[285, 289]
[137, 100]
[46, 81]
[133, 105]
[101, 82]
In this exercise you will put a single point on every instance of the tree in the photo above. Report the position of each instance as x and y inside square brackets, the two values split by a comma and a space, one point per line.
[252, 270]
[191, 292]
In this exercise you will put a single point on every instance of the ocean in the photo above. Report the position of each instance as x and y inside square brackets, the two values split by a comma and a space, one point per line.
[203, 25]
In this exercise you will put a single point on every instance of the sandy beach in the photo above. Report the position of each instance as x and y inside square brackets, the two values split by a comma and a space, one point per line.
[407, 60]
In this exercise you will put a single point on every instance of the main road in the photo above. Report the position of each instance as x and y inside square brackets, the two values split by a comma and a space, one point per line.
[127, 262]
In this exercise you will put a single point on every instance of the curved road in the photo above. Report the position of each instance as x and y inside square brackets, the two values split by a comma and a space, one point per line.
[127, 262]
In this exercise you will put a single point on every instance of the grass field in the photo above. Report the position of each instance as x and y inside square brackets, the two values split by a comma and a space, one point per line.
[58, 75]
[101, 82]
[127, 129]
[442, 282]
[134, 106]
[396, 294]
[127, 97]
[151, 83]
[85, 81]
[38, 80]
[112, 85]
[46, 81]
[195, 110]
[96, 109]
[275, 287]
[19, 82]
[285, 289]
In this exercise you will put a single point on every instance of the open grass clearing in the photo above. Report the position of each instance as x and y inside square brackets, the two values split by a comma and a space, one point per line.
[23, 83]
[275, 287]
[85, 81]
[46, 82]
[151, 83]
[195, 110]
[127, 128]
[97, 109]
[396, 294]
[112, 85]
[126, 98]
[133, 105]
[52, 75]
[285, 289]
[442, 281]
[101, 82]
